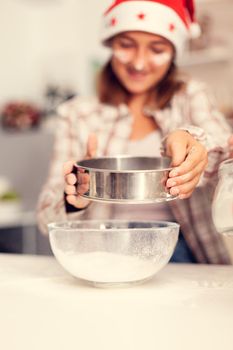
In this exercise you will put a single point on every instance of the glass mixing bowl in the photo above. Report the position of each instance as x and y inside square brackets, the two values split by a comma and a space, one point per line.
[113, 252]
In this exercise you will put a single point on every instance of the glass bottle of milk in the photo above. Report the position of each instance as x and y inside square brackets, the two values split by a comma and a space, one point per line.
[222, 208]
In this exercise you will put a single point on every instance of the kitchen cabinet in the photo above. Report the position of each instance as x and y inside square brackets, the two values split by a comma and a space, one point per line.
[25, 158]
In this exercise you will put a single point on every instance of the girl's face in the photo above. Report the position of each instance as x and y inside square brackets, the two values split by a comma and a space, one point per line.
[140, 60]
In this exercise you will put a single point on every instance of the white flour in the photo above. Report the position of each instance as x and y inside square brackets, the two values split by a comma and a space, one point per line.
[108, 267]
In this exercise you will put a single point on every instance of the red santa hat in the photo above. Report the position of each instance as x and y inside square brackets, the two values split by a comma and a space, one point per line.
[172, 19]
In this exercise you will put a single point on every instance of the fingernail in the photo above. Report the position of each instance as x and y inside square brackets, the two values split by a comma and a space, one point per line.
[171, 183]
[174, 191]
[173, 173]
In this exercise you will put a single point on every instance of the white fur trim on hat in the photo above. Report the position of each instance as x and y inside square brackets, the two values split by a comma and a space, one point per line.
[195, 30]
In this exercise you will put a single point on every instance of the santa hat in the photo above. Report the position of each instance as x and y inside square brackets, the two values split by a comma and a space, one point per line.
[172, 19]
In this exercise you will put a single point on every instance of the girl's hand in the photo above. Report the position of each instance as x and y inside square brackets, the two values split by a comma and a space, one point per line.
[230, 143]
[189, 159]
[75, 186]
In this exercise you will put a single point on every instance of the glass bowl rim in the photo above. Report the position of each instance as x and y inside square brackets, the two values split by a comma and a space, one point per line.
[58, 225]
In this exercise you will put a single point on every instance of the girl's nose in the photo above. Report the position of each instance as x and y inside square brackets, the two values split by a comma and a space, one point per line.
[139, 60]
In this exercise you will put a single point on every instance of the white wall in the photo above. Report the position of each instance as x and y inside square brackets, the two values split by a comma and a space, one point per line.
[46, 41]
[219, 76]
[53, 41]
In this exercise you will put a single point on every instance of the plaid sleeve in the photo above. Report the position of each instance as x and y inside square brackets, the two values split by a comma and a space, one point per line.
[210, 127]
[51, 205]
[202, 119]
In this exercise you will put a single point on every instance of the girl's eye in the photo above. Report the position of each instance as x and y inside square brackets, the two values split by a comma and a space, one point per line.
[157, 51]
[125, 45]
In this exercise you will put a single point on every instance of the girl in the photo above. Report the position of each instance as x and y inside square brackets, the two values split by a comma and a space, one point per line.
[142, 104]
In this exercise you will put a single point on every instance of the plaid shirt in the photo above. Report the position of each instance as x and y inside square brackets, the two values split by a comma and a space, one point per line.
[193, 110]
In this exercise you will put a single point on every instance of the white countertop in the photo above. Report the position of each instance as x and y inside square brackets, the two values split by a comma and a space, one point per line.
[183, 307]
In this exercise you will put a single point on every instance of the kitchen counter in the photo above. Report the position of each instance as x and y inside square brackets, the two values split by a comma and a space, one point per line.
[182, 307]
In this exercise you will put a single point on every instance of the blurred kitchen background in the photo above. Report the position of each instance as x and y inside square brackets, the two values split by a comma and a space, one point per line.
[50, 52]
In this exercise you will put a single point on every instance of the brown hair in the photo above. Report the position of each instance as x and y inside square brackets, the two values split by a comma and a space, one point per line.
[111, 91]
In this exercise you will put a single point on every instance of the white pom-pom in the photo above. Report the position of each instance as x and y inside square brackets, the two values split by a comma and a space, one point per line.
[195, 30]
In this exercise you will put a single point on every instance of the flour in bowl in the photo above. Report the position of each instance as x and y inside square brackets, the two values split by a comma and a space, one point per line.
[108, 267]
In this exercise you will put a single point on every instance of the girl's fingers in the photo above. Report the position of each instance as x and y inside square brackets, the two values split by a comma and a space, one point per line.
[68, 167]
[71, 179]
[83, 178]
[185, 188]
[179, 180]
[82, 189]
[176, 149]
[71, 199]
[91, 146]
[82, 184]
[70, 189]
[194, 157]
[75, 185]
